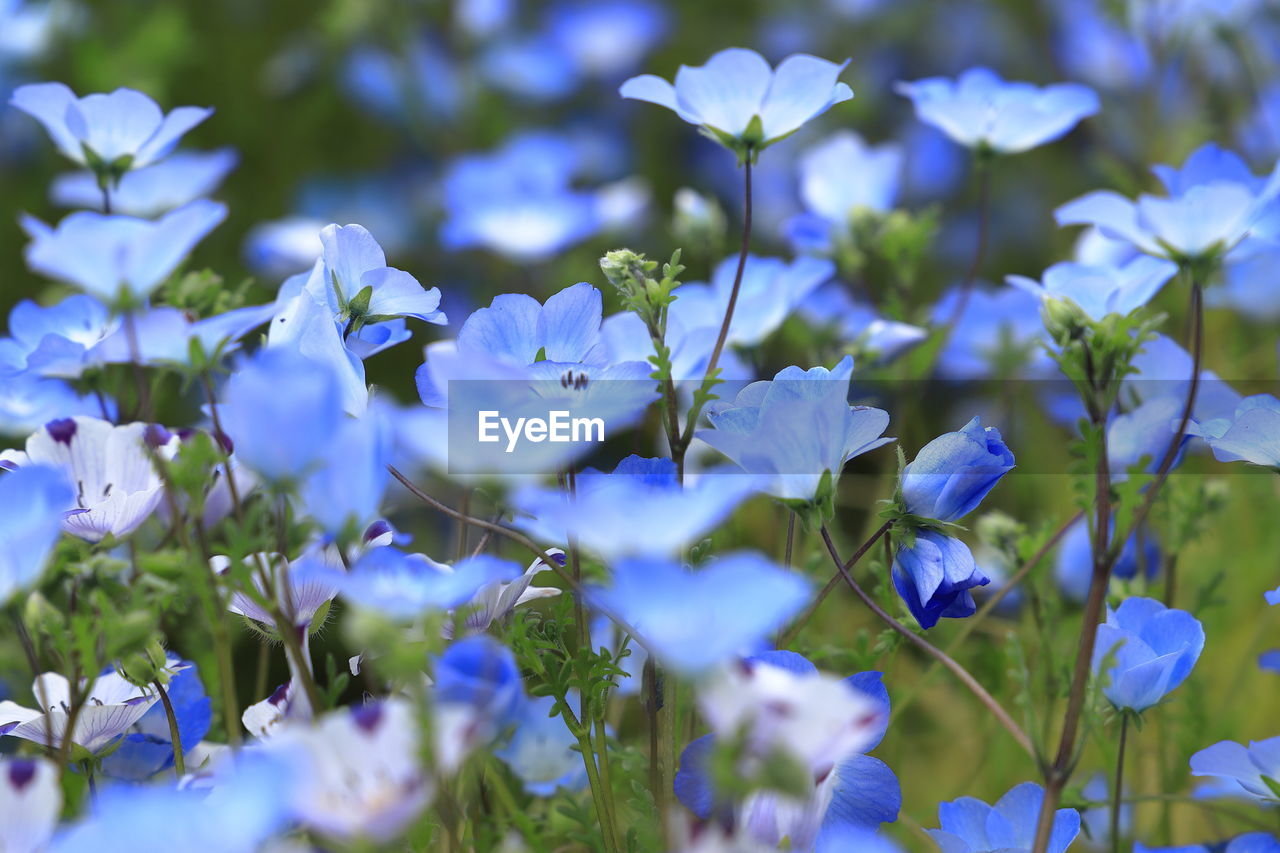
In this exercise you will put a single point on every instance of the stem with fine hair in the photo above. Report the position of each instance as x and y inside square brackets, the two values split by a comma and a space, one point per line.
[789, 637]
[179, 760]
[1117, 795]
[966, 678]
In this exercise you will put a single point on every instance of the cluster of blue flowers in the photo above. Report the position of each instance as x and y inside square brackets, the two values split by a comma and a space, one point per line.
[573, 646]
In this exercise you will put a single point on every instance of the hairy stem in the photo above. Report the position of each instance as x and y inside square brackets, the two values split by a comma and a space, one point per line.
[966, 678]
[179, 759]
[794, 631]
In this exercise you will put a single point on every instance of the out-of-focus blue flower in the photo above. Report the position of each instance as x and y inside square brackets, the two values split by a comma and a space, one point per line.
[980, 110]
[32, 797]
[953, 473]
[1252, 434]
[694, 620]
[878, 338]
[164, 335]
[1093, 47]
[117, 487]
[483, 18]
[605, 39]
[344, 492]
[795, 428]
[1096, 820]
[247, 803]
[936, 577]
[54, 340]
[147, 747]
[423, 78]
[1247, 287]
[32, 500]
[482, 674]
[840, 177]
[115, 256]
[26, 28]
[1074, 566]
[281, 411]
[28, 401]
[1248, 766]
[519, 200]
[530, 68]
[110, 706]
[1162, 368]
[284, 247]
[994, 327]
[852, 791]
[1270, 660]
[543, 752]
[152, 190]
[1250, 842]
[110, 134]
[770, 290]
[405, 586]
[1102, 290]
[1215, 204]
[638, 508]
[741, 101]
[1150, 650]
[971, 826]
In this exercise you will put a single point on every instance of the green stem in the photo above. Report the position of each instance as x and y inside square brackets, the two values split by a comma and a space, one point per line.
[179, 759]
[1117, 789]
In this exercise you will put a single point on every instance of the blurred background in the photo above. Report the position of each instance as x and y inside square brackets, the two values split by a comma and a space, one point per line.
[418, 119]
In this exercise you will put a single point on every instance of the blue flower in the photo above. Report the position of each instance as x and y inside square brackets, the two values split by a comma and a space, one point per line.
[1102, 290]
[853, 792]
[980, 110]
[345, 490]
[54, 340]
[520, 201]
[147, 747]
[769, 291]
[482, 674]
[742, 102]
[32, 500]
[118, 256]
[542, 752]
[953, 473]
[1150, 650]
[284, 247]
[858, 324]
[993, 326]
[604, 39]
[1074, 566]
[108, 133]
[1214, 206]
[281, 411]
[152, 190]
[165, 335]
[795, 428]
[28, 401]
[1251, 435]
[1254, 768]
[639, 508]
[405, 586]
[1144, 432]
[694, 620]
[971, 826]
[935, 577]
[840, 178]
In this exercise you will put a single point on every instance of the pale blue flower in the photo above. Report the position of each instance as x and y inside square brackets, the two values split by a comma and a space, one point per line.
[281, 411]
[109, 133]
[1149, 649]
[542, 752]
[840, 178]
[1073, 568]
[858, 324]
[1251, 434]
[1248, 766]
[935, 577]
[164, 335]
[406, 586]
[980, 110]
[795, 428]
[345, 490]
[1162, 368]
[284, 247]
[32, 500]
[994, 327]
[152, 190]
[971, 826]
[638, 508]
[55, 340]
[605, 39]
[1102, 290]
[769, 292]
[693, 620]
[28, 401]
[741, 101]
[119, 256]
[1214, 206]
